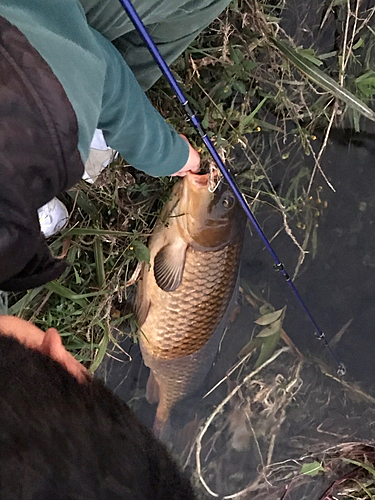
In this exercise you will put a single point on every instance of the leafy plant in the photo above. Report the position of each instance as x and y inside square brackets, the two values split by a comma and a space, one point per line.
[312, 468]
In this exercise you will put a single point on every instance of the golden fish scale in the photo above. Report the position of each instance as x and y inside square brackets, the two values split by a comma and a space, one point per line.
[180, 377]
[179, 323]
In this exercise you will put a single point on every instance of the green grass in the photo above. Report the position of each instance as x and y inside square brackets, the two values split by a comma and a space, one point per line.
[253, 88]
[102, 246]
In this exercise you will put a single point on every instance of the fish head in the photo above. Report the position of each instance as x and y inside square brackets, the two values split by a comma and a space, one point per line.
[209, 220]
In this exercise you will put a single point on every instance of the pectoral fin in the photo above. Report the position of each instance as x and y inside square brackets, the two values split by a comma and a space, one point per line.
[141, 311]
[169, 265]
[162, 428]
[152, 390]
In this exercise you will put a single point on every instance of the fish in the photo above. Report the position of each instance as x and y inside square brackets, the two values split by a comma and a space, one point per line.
[185, 295]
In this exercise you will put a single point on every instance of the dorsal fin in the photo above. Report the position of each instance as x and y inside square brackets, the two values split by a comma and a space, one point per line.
[141, 311]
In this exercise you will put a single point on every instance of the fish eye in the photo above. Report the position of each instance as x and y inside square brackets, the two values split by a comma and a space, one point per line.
[228, 201]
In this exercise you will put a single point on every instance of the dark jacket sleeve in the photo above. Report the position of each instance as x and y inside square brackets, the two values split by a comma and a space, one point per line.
[39, 158]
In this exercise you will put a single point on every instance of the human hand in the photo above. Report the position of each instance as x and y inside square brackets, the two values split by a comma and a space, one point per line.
[193, 162]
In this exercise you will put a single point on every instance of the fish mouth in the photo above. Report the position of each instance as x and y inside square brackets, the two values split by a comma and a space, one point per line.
[200, 180]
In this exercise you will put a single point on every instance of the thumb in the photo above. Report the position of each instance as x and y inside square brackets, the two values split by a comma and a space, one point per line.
[193, 161]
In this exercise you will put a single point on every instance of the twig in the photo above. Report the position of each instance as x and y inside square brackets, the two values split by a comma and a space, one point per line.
[328, 492]
[326, 15]
[280, 205]
[291, 235]
[340, 333]
[354, 30]
[270, 449]
[321, 151]
[217, 410]
[256, 443]
[41, 305]
[343, 59]
[367, 20]
[351, 387]
[233, 369]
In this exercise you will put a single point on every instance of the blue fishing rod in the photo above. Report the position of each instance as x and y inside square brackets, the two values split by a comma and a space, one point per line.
[140, 27]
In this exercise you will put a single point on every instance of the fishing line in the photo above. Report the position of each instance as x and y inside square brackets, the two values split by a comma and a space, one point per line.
[278, 266]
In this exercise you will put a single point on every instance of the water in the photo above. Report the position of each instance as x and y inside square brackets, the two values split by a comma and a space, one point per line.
[293, 411]
[338, 284]
[318, 412]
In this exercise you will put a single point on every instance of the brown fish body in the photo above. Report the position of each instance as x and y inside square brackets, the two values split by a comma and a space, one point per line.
[183, 298]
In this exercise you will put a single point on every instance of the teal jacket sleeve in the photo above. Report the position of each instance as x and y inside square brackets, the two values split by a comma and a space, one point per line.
[101, 87]
[131, 125]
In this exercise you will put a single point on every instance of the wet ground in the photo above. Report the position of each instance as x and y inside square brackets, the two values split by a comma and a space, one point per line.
[294, 410]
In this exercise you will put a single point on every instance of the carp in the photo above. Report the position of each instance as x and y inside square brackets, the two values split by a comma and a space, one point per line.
[184, 295]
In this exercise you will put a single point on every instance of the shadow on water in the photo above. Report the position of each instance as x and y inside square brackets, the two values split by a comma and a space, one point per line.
[294, 410]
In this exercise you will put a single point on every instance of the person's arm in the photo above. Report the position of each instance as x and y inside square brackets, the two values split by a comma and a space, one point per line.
[132, 126]
[100, 86]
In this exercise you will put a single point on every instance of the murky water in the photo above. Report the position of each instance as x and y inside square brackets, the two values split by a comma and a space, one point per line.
[292, 411]
[338, 285]
[263, 423]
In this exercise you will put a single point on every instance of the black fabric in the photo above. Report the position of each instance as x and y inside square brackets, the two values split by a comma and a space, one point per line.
[39, 158]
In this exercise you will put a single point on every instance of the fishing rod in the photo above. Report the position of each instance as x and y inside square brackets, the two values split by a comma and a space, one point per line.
[278, 266]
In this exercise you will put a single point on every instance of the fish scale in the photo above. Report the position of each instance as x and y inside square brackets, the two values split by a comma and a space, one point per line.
[181, 345]
[198, 302]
